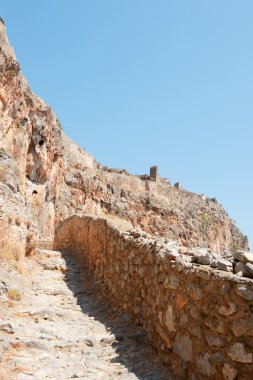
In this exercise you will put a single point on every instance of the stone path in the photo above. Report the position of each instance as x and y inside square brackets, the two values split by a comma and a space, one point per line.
[63, 330]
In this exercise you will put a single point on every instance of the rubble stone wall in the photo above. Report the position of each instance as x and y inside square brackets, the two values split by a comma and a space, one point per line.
[198, 318]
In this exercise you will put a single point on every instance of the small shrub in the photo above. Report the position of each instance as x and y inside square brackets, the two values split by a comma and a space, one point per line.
[14, 295]
[2, 21]
[148, 203]
[236, 247]
[119, 211]
[23, 121]
[204, 221]
[59, 123]
[11, 73]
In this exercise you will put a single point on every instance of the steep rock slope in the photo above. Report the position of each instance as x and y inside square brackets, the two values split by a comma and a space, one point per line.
[45, 178]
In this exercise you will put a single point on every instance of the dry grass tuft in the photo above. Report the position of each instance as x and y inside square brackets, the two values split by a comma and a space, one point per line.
[31, 245]
[14, 295]
[30, 249]
[10, 251]
[11, 245]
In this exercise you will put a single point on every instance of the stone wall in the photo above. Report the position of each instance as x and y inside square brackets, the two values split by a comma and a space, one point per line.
[199, 319]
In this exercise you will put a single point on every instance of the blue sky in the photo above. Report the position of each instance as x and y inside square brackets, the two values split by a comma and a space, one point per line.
[140, 83]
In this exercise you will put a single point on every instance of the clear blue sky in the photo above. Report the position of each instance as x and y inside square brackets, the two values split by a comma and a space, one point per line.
[141, 82]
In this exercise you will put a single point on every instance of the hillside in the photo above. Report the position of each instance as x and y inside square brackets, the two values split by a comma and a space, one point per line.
[45, 178]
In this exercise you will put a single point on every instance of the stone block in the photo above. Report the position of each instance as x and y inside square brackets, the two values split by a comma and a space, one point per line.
[238, 353]
[248, 257]
[204, 365]
[242, 327]
[224, 265]
[181, 301]
[194, 292]
[239, 267]
[244, 257]
[249, 268]
[169, 319]
[197, 332]
[245, 292]
[183, 347]
[228, 372]
[206, 259]
[164, 336]
[215, 325]
[212, 339]
[171, 282]
[228, 309]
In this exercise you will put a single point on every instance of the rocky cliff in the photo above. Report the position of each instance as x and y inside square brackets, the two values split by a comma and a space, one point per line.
[45, 178]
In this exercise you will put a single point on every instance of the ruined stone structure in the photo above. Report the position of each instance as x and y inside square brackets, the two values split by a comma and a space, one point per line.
[154, 173]
[178, 185]
[199, 318]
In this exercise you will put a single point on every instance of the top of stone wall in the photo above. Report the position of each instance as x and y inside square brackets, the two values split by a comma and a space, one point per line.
[204, 263]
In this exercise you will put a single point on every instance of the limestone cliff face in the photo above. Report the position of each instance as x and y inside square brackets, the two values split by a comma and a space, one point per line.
[31, 152]
[45, 178]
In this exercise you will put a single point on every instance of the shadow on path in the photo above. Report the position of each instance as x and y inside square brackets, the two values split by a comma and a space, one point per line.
[130, 344]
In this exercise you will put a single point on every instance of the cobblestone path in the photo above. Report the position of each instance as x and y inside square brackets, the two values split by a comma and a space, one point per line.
[63, 330]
